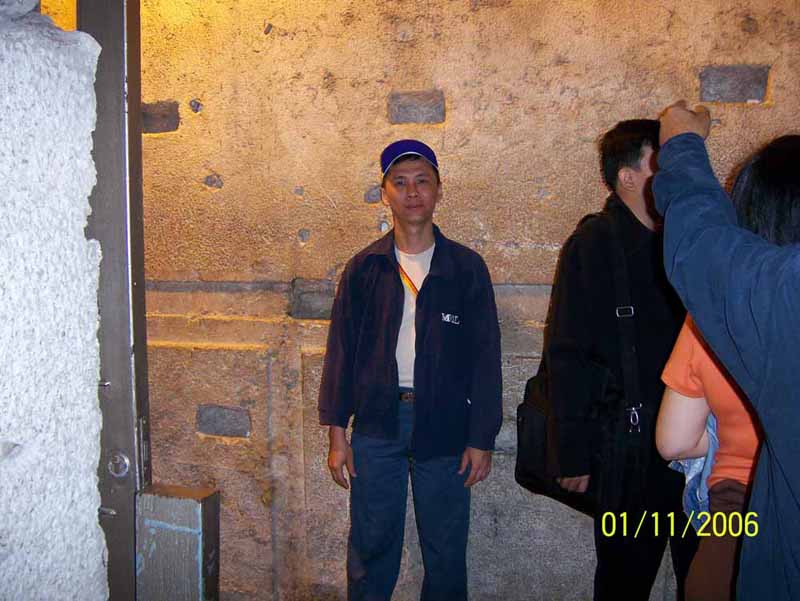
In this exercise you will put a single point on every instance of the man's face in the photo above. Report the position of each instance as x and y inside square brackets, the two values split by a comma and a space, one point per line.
[411, 189]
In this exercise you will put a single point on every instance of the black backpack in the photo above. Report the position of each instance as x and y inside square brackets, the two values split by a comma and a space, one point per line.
[618, 418]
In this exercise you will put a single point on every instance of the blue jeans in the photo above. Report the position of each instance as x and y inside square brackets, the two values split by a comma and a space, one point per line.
[378, 511]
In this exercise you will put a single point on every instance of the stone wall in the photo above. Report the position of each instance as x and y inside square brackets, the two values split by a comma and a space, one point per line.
[263, 126]
[51, 543]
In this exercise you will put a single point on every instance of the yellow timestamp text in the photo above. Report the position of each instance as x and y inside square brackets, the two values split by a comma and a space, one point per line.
[665, 524]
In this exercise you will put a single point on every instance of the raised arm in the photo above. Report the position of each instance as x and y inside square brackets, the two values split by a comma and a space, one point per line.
[733, 282]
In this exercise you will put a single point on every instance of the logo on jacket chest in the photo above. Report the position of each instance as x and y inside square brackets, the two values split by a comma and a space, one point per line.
[451, 318]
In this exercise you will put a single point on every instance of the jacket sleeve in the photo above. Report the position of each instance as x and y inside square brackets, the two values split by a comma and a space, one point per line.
[743, 292]
[486, 386]
[336, 401]
[576, 372]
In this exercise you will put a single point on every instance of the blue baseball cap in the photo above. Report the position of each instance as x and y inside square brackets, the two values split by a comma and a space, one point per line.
[402, 148]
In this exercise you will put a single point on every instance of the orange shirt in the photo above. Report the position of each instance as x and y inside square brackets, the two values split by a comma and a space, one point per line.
[694, 371]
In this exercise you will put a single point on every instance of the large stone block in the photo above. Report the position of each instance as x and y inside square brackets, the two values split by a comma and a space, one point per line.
[734, 83]
[228, 299]
[183, 377]
[246, 532]
[524, 338]
[522, 303]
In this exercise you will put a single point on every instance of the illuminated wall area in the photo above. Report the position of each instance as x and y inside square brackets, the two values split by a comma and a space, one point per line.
[263, 125]
[63, 12]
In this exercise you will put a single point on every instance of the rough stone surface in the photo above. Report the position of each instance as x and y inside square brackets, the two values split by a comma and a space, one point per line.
[416, 107]
[529, 87]
[734, 83]
[192, 300]
[223, 421]
[158, 117]
[16, 8]
[184, 376]
[307, 529]
[51, 544]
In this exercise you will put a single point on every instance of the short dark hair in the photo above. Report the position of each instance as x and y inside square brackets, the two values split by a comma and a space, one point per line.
[766, 194]
[622, 147]
[410, 157]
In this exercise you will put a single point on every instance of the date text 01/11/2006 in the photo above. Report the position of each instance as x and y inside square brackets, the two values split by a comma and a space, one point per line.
[711, 524]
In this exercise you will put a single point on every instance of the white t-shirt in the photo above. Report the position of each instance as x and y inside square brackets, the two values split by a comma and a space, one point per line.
[417, 267]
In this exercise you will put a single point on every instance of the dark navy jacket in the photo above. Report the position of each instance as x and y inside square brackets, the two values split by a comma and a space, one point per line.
[457, 378]
[744, 295]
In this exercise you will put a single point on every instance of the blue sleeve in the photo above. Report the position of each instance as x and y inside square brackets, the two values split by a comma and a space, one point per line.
[486, 387]
[743, 292]
[336, 403]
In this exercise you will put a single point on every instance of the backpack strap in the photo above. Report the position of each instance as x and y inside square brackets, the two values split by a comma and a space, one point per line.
[625, 314]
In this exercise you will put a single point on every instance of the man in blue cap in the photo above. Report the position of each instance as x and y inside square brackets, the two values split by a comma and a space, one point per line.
[413, 355]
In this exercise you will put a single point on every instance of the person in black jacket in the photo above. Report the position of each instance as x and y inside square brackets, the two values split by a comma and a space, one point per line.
[413, 356]
[604, 437]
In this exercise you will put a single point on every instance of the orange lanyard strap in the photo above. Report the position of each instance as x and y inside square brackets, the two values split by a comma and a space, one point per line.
[407, 280]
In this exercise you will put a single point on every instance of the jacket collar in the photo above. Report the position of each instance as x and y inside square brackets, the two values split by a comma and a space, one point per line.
[441, 264]
[634, 231]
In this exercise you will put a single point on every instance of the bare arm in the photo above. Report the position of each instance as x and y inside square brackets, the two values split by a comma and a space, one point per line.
[681, 426]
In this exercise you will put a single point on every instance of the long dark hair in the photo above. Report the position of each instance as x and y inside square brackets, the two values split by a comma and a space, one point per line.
[766, 194]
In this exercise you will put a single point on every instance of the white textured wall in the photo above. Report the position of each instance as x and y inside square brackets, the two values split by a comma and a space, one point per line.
[51, 544]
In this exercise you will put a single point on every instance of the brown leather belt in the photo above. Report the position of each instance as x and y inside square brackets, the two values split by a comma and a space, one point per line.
[407, 397]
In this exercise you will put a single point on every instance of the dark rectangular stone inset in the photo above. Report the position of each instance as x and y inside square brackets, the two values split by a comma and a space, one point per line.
[416, 107]
[373, 194]
[160, 116]
[734, 83]
[311, 299]
[217, 420]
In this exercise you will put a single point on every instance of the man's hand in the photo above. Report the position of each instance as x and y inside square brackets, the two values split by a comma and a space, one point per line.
[340, 455]
[480, 463]
[679, 119]
[574, 484]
